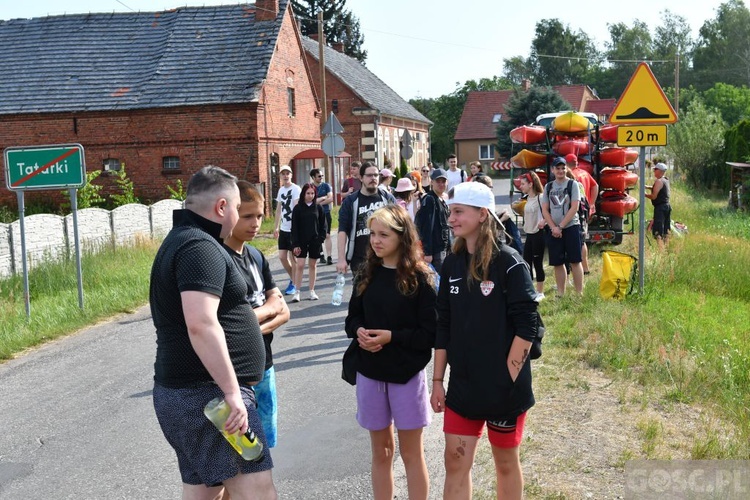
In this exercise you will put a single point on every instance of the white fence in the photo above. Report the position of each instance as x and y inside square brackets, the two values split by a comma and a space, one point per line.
[51, 236]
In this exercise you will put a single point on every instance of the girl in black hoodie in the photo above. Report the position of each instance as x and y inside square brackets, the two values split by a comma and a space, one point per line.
[308, 234]
[486, 322]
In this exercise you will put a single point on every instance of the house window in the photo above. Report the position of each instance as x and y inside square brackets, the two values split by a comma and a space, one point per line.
[487, 152]
[291, 105]
[170, 163]
[418, 137]
[111, 165]
[497, 117]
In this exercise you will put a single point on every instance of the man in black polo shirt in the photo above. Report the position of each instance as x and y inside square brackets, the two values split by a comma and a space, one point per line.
[208, 344]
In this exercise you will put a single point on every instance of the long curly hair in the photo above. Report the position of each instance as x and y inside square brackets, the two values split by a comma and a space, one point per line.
[411, 263]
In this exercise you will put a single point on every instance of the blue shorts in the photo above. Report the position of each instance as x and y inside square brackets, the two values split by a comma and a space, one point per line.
[203, 455]
[565, 249]
[379, 404]
[265, 393]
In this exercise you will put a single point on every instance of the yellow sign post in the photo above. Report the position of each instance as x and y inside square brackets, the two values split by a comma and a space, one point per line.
[642, 112]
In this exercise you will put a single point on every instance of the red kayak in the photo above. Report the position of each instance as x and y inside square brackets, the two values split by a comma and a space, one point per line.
[617, 157]
[616, 203]
[528, 134]
[575, 146]
[608, 133]
[618, 179]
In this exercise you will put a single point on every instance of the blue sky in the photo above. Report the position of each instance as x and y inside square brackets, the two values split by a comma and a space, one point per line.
[426, 47]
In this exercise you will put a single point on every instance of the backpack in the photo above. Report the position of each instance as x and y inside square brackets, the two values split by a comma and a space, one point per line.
[584, 209]
[536, 345]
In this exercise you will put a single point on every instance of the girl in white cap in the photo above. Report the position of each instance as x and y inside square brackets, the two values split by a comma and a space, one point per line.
[486, 323]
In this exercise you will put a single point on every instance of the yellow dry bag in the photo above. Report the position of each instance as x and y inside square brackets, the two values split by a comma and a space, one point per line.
[618, 274]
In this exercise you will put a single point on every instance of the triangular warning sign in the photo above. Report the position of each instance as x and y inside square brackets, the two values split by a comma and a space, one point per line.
[643, 101]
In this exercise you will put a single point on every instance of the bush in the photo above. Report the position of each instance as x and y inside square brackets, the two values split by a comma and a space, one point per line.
[126, 188]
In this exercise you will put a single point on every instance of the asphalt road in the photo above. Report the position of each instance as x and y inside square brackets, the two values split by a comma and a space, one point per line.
[78, 419]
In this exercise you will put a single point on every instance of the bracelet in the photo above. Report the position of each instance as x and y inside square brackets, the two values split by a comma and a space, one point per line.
[437, 380]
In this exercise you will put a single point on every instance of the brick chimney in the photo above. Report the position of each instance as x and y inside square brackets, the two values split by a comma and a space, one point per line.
[338, 46]
[525, 84]
[266, 10]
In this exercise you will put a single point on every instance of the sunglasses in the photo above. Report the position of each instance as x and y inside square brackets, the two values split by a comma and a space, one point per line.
[425, 171]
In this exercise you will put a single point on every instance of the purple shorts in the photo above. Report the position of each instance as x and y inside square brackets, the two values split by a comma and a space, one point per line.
[381, 403]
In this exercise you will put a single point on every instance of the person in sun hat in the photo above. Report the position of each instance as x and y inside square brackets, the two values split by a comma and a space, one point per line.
[406, 196]
[486, 287]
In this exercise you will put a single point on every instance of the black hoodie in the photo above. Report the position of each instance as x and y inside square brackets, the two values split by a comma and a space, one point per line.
[476, 325]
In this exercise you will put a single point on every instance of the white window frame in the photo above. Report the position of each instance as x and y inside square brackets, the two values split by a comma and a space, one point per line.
[490, 148]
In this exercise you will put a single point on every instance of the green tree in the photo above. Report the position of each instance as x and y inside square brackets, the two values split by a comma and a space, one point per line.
[560, 56]
[523, 108]
[723, 48]
[339, 24]
[516, 70]
[732, 102]
[671, 37]
[696, 143]
[628, 46]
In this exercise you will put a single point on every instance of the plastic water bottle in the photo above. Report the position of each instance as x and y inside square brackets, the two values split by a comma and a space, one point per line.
[247, 445]
[338, 290]
[436, 275]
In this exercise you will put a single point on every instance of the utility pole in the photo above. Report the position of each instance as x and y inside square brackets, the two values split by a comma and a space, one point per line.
[327, 167]
[677, 82]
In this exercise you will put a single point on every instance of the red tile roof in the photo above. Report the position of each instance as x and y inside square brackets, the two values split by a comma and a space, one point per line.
[480, 107]
[573, 94]
[602, 107]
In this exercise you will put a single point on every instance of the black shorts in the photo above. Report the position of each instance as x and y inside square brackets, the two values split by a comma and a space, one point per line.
[566, 249]
[203, 455]
[285, 240]
[312, 250]
[328, 221]
[662, 220]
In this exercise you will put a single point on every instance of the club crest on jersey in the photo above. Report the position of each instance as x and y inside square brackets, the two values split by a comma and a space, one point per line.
[486, 287]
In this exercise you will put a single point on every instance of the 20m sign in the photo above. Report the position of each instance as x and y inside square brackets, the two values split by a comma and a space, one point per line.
[641, 135]
[45, 167]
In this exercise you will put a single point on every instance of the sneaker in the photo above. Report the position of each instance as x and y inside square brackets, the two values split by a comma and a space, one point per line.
[296, 297]
[322, 259]
[313, 295]
[290, 289]
[539, 297]
[330, 261]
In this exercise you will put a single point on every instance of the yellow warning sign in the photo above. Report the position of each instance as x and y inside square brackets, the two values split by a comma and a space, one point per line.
[643, 101]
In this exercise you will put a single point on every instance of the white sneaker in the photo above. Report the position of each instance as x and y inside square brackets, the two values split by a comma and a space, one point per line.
[296, 297]
[313, 295]
[539, 297]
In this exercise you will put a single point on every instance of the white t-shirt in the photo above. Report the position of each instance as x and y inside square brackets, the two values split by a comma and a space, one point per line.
[532, 214]
[454, 178]
[286, 200]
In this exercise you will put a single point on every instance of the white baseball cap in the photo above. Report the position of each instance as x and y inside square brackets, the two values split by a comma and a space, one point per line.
[474, 194]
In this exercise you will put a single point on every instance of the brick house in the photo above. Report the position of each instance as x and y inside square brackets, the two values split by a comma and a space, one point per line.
[372, 114]
[161, 93]
[476, 134]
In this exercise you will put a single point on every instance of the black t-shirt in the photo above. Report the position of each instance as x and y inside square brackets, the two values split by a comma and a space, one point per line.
[259, 280]
[412, 321]
[367, 205]
[192, 259]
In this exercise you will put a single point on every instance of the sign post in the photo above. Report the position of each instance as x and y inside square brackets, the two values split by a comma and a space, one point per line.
[332, 145]
[44, 168]
[643, 110]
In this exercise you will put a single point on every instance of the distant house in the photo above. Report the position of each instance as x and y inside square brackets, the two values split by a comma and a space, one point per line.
[372, 114]
[476, 134]
[163, 93]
